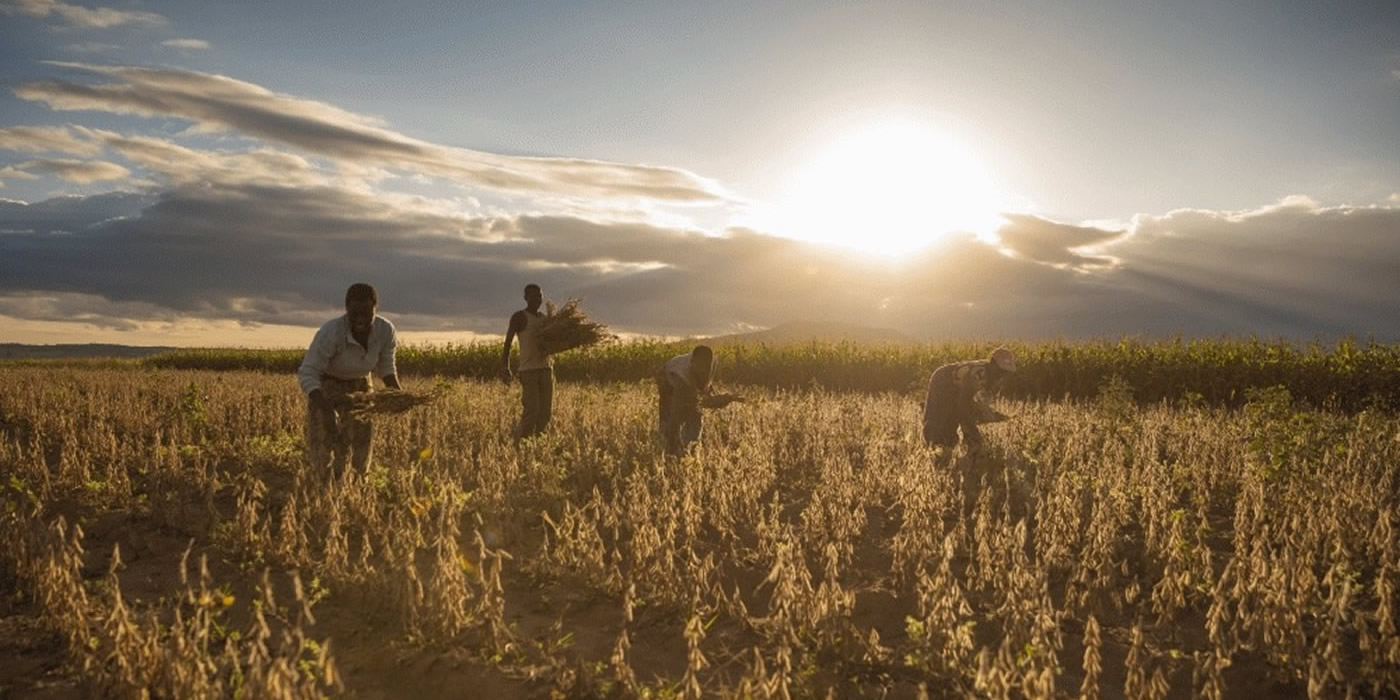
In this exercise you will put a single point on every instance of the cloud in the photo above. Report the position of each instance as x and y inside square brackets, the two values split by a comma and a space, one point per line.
[82, 172]
[91, 47]
[69, 213]
[79, 16]
[48, 139]
[254, 251]
[10, 172]
[219, 103]
[1055, 243]
[194, 44]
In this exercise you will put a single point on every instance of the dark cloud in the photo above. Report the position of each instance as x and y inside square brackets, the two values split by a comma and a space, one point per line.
[215, 102]
[259, 253]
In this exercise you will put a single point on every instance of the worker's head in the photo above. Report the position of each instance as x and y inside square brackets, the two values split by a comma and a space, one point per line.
[702, 365]
[1003, 361]
[533, 296]
[361, 301]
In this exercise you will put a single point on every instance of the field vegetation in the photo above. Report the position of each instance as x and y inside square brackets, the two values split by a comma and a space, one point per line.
[160, 537]
[1346, 375]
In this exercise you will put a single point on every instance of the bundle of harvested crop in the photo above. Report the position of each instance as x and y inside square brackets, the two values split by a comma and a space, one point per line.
[390, 401]
[568, 327]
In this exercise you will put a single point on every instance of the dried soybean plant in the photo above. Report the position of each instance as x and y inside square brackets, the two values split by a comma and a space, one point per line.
[811, 546]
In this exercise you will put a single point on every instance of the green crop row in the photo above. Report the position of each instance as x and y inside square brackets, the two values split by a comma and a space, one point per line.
[1346, 375]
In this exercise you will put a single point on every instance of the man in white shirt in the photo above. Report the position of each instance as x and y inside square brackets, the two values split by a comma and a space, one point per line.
[536, 369]
[340, 360]
[683, 380]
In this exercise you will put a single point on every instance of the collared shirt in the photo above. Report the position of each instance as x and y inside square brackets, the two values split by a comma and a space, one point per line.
[335, 352]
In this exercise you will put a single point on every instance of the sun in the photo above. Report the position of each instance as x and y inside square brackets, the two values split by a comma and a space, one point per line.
[890, 188]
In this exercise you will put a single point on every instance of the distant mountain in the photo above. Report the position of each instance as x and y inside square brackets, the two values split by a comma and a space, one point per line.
[809, 331]
[21, 351]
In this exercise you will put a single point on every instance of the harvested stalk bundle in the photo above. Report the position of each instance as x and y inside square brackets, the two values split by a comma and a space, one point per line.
[389, 401]
[720, 400]
[568, 327]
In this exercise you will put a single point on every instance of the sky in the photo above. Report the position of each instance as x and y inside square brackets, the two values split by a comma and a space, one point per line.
[217, 173]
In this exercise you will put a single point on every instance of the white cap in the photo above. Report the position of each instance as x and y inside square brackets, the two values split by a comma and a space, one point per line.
[1003, 358]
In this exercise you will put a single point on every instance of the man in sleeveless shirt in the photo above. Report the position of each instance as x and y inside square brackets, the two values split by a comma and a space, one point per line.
[536, 369]
[954, 392]
[343, 357]
[683, 380]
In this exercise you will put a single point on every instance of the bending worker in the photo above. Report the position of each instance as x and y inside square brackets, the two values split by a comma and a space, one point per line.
[683, 380]
[956, 397]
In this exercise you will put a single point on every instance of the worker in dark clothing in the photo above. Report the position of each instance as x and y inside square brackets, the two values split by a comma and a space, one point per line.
[956, 398]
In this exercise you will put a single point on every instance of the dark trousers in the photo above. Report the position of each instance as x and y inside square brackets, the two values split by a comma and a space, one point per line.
[536, 400]
[353, 440]
[943, 414]
[679, 410]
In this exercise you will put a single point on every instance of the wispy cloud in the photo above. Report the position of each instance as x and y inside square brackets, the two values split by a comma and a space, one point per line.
[80, 16]
[82, 172]
[194, 44]
[91, 47]
[214, 102]
[48, 139]
[11, 172]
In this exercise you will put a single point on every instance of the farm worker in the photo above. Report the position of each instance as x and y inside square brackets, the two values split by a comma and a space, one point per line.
[536, 368]
[956, 394]
[342, 355]
[683, 380]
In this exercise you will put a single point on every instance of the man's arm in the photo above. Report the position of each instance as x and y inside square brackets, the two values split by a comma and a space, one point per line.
[314, 362]
[313, 365]
[388, 367]
[517, 324]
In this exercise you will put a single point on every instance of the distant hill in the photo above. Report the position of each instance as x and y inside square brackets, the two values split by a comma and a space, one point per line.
[22, 351]
[808, 331]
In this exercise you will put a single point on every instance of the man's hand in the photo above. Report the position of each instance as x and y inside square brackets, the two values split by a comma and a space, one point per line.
[506, 375]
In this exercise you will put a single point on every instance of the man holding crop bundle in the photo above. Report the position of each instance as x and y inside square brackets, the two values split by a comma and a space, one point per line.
[339, 362]
[536, 368]
[683, 380]
[955, 398]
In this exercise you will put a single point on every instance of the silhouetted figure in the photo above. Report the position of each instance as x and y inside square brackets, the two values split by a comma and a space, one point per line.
[681, 383]
[536, 368]
[340, 360]
[955, 397]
